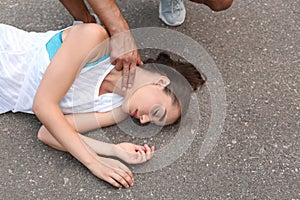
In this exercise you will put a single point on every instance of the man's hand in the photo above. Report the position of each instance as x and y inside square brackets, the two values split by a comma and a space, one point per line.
[124, 56]
[134, 154]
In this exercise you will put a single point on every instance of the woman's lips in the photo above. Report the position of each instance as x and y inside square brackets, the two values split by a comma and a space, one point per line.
[134, 114]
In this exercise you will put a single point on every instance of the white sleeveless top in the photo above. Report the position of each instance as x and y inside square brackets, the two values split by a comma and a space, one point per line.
[23, 61]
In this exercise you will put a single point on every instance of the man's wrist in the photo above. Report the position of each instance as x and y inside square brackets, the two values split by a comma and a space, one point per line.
[117, 29]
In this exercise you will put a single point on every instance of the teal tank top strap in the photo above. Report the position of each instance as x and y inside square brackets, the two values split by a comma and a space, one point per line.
[55, 42]
[90, 64]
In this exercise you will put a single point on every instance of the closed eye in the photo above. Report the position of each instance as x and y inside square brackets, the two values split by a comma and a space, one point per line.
[158, 115]
[155, 113]
[163, 116]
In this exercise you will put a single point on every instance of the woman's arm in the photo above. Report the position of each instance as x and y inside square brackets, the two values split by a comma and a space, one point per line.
[57, 80]
[130, 153]
[84, 122]
[74, 52]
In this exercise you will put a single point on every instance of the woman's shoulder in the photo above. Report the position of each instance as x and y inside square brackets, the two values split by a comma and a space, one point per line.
[86, 31]
[91, 36]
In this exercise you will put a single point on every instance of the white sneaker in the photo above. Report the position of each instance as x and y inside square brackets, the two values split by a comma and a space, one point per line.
[77, 22]
[172, 12]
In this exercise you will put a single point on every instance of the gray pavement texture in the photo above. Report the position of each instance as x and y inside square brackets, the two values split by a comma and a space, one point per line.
[255, 45]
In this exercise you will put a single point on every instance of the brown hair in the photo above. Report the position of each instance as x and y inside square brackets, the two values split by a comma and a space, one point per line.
[184, 78]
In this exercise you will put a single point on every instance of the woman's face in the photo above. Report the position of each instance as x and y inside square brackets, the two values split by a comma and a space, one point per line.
[150, 103]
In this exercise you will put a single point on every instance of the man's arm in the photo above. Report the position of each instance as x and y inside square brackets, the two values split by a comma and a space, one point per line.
[110, 14]
[123, 48]
[123, 52]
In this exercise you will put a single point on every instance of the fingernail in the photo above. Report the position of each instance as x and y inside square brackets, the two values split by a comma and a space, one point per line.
[129, 85]
[123, 88]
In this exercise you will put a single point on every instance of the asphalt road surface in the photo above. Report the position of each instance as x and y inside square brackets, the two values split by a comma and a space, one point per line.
[254, 46]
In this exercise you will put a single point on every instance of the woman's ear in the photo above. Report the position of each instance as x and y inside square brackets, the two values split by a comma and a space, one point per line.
[163, 81]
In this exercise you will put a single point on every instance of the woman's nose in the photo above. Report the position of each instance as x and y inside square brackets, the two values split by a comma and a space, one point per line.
[144, 119]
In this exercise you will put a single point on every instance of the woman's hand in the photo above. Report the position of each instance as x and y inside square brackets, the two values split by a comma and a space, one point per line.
[112, 171]
[133, 154]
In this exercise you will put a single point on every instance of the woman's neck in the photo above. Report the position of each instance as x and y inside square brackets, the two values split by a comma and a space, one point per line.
[112, 83]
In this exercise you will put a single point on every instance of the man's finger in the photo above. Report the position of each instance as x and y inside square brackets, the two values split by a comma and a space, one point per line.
[118, 65]
[139, 61]
[131, 75]
[125, 75]
[113, 58]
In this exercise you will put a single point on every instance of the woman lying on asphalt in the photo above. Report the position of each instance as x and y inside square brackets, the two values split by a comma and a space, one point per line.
[67, 80]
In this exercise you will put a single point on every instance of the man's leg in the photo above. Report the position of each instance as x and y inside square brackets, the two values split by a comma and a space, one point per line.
[172, 12]
[216, 5]
[78, 10]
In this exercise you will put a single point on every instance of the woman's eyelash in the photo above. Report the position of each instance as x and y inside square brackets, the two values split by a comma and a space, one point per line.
[155, 112]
